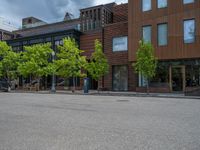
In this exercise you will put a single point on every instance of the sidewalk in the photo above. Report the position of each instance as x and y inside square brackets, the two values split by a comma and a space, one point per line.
[111, 93]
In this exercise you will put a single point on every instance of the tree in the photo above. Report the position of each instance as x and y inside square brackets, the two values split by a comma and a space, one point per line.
[35, 61]
[98, 65]
[69, 61]
[146, 62]
[8, 62]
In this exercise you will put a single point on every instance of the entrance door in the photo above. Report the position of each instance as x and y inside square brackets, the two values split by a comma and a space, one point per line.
[178, 78]
[120, 78]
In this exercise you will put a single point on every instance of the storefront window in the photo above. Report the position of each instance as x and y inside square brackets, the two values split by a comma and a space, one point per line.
[142, 81]
[161, 78]
[192, 76]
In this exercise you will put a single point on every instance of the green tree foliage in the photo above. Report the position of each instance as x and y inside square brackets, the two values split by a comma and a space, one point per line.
[98, 65]
[35, 61]
[69, 61]
[146, 62]
[8, 62]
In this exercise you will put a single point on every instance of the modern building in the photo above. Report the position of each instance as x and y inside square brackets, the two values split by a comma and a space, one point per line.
[171, 26]
[35, 31]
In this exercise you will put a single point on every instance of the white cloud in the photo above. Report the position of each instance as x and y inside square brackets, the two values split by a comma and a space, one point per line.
[48, 10]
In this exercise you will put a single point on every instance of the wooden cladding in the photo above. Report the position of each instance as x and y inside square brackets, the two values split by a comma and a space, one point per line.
[120, 13]
[87, 40]
[174, 15]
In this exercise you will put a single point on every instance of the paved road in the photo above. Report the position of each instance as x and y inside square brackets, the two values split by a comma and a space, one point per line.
[66, 122]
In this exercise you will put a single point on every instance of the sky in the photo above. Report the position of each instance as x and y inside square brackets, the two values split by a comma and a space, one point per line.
[48, 10]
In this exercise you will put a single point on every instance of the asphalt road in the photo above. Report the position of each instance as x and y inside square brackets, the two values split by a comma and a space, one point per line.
[66, 122]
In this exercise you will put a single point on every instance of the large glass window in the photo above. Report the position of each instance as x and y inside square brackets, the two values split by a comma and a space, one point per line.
[162, 34]
[189, 31]
[162, 3]
[161, 78]
[120, 44]
[146, 33]
[188, 1]
[192, 76]
[142, 81]
[146, 5]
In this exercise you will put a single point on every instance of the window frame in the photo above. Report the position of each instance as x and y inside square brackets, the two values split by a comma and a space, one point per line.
[121, 36]
[165, 23]
[184, 30]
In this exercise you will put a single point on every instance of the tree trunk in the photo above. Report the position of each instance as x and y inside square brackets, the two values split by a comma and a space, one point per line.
[98, 86]
[9, 83]
[30, 77]
[147, 86]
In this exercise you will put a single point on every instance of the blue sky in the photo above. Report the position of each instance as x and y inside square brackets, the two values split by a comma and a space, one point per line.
[47, 10]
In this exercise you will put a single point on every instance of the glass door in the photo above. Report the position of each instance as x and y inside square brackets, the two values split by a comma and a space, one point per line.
[120, 78]
[178, 78]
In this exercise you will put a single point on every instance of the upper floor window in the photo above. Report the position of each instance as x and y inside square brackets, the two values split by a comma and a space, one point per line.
[188, 1]
[146, 5]
[146, 33]
[120, 44]
[189, 31]
[162, 3]
[162, 34]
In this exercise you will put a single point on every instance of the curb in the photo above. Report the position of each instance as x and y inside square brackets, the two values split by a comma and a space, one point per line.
[112, 94]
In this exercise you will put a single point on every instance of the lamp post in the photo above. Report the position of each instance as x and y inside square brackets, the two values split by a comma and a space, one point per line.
[53, 89]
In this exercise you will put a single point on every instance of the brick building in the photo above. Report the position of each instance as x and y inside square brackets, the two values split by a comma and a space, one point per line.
[171, 26]
[111, 30]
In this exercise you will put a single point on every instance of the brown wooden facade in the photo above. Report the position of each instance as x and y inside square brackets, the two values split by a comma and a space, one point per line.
[174, 15]
[176, 53]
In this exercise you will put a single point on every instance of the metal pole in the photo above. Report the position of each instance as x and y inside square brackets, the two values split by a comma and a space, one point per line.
[53, 89]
